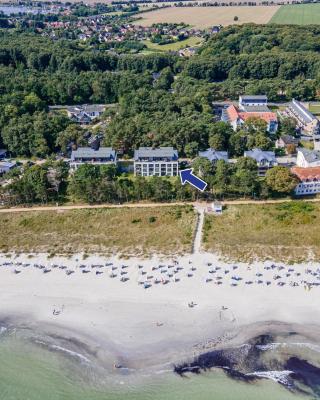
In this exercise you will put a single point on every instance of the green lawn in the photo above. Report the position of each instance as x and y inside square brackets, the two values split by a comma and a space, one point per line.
[192, 41]
[299, 14]
[315, 108]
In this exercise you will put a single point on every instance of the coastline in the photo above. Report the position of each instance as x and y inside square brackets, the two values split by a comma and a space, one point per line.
[122, 323]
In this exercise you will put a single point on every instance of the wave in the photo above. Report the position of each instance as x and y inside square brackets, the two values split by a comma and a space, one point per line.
[276, 376]
[61, 349]
[274, 346]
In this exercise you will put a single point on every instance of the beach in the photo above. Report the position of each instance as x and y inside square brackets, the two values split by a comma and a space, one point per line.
[154, 316]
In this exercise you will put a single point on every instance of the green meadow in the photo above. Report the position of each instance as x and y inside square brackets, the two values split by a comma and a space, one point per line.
[299, 14]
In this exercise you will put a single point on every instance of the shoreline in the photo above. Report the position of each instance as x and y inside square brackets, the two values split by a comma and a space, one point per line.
[124, 323]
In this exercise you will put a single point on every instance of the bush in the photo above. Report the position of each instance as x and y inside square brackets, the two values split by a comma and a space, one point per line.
[152, 219]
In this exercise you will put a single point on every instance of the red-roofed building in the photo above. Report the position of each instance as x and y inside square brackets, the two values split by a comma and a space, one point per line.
[237, 116]
[309, 180]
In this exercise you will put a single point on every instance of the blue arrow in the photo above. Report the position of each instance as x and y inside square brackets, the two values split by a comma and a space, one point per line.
[186, 175]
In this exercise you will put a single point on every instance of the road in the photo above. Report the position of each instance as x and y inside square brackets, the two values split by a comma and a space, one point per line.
[198, 205]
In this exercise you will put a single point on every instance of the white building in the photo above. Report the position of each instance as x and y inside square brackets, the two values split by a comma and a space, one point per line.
[252, 101]
[308, 158]
[88, 155]
[309, 180]
[162, 161]
[306, 121]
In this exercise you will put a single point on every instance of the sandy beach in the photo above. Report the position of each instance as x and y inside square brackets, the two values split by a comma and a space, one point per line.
[142, 313]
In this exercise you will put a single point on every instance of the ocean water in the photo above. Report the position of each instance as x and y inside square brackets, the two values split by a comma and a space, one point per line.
[30, 372]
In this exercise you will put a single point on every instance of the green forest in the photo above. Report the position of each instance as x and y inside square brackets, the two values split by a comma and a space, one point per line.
[175, 109]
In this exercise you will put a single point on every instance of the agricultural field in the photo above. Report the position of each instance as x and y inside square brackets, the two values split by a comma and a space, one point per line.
[284, 232]
[190, 42]
[127, 231]
[204, 17]
[299, 14]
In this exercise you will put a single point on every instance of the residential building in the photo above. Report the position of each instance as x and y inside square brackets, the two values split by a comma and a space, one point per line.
[309, 180]
[3, 154]
[86, 113]
[162, 161]
[88, 155]
[213, 155]
[6, 166]
[264, 159]
[250, 107]
[308, 158]
[306, 121]
[253, 101]
[287, 141]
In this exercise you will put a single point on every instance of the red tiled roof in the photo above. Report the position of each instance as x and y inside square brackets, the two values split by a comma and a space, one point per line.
[234, 113]
[267, 116]
[306, 173]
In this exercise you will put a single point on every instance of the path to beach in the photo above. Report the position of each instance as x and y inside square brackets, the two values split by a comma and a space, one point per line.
[143, 205]
[196, 246]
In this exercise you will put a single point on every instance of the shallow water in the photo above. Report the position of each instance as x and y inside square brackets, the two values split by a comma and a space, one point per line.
[29, 372]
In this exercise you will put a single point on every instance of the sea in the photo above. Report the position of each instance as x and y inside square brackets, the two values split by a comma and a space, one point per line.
[29, 371]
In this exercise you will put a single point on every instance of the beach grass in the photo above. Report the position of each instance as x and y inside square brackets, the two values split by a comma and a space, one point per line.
[288, 232]
[126, 231]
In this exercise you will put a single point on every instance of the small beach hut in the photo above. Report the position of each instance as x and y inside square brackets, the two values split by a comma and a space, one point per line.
[217, 208]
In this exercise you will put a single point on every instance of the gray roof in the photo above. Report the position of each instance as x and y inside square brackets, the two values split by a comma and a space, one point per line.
[150, 152]
[288, 139]
[254, 97]
[256, 108]
[88, 108]
[88, 152]
[310, 155]
[300, 109]
[214, 155]
[6, 165]
[3, 152]
[259, 155]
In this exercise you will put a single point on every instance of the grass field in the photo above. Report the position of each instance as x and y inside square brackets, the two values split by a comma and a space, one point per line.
[125, 231]
[192, 41]
[300, 14]
[204, 17]
[284, 232]
[315, 109]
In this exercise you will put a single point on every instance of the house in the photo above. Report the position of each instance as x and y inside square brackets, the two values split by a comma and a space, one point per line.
[6, 166]
[306, 121]
[287, 141]
[264, 159]
[88, 155]
[217, 208]
[253, 101]
[250, 107]
[162, 161]
[86, 113]
[308, 158]
[309, 180]
[3, 154]
[216, 29]
[213, 155]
